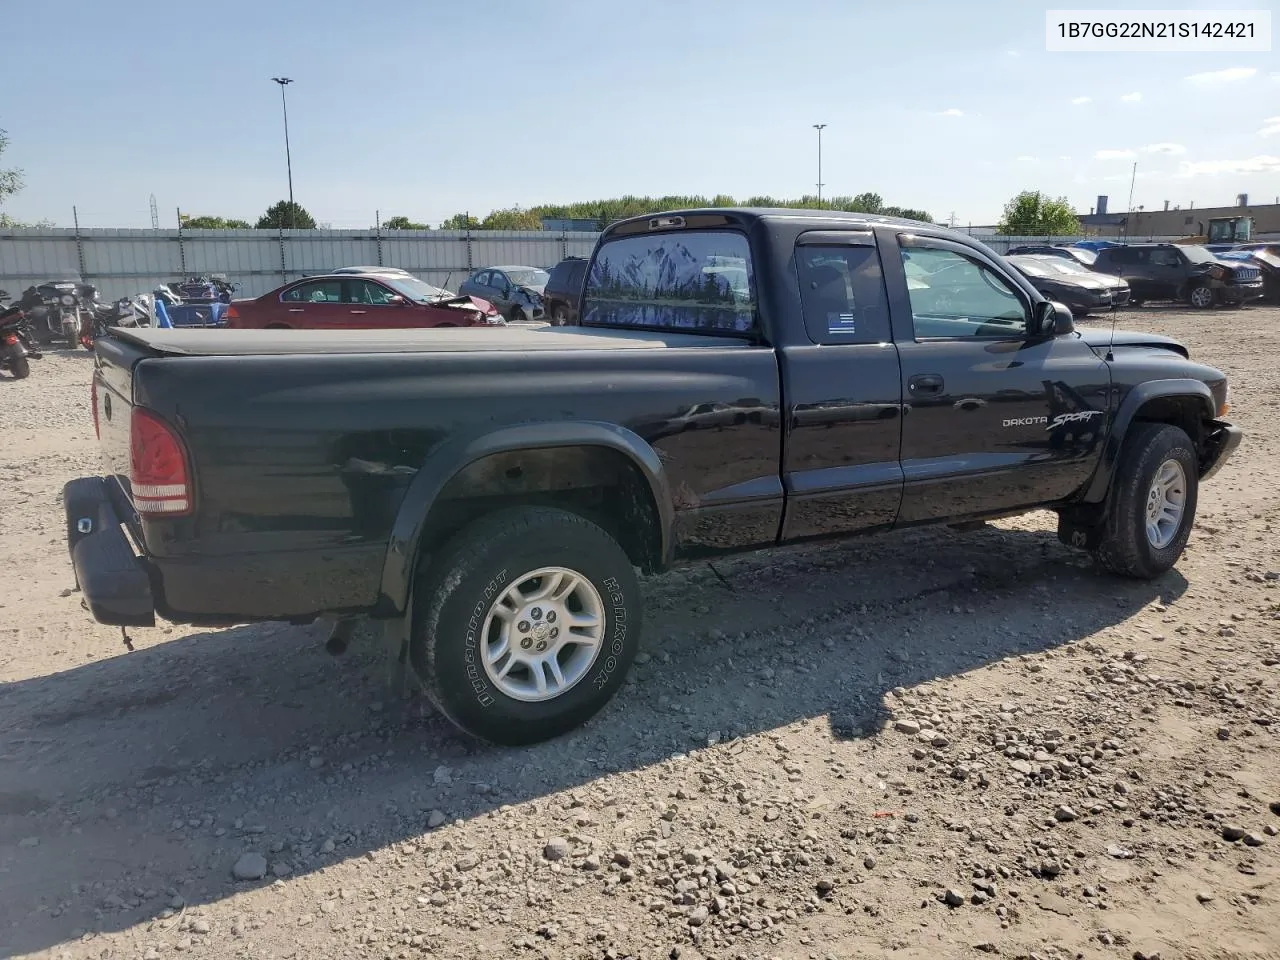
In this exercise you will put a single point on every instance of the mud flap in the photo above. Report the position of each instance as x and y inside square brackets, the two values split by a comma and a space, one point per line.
[1083, 533]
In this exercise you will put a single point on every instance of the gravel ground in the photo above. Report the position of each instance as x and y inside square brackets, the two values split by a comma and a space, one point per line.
[926, 744]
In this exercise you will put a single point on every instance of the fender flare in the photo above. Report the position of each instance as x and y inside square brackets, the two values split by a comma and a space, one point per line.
[1137, 397]
[457, 453]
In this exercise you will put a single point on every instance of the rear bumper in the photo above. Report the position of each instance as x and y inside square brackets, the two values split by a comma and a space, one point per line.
[1221, 442]
[113, 579]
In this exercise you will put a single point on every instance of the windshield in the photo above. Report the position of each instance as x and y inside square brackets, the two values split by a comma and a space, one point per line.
[1198, 254]
[415, 289]
[529, 278]
[1034, 267]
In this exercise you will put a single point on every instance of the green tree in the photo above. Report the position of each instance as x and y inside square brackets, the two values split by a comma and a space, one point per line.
[10, 183]
[215, 223]
[1034, 214]
[402, 223]
[288, 216]
[460, 221]
[513, 219]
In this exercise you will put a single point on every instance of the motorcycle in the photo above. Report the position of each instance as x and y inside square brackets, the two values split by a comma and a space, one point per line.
[58, 309]
[120, 313]
[16, 348]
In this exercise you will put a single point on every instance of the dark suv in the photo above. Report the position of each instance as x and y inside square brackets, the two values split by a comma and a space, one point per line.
[1171, 271]
[564, 290]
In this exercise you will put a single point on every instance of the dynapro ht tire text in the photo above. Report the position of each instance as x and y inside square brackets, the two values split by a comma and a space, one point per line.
[530, 618]
[1153, 502]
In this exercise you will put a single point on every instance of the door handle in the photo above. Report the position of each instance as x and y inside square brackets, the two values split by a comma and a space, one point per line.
[359, 311]
[295, 310]
[925, 383]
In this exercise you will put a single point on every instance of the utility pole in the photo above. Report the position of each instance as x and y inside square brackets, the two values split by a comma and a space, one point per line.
[818, 127]
[288, 160]
[1129, 207]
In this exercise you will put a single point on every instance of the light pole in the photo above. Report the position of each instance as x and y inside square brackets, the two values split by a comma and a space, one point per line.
[288, 160]
[818, 127]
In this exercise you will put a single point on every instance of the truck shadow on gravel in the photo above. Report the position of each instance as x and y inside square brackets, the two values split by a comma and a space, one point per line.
[130, 781]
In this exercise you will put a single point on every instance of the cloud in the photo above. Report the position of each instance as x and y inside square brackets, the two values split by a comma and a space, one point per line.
[1079, 100]
[1134, 97]
[1012, 53]
[1114, 155]
[953, 112]
[1270, 127]
[1064, 157]
[1026, 159]
[1173, 149]
[1259, 164]
[1229, 75]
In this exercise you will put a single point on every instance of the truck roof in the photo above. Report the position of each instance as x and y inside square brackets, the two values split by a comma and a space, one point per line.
[794, 216]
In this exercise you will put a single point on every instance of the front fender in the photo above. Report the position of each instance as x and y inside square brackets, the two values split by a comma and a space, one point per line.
[457, 453]
[1140, 395]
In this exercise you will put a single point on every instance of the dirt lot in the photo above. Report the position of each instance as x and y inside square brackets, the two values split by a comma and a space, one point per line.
[923, 745]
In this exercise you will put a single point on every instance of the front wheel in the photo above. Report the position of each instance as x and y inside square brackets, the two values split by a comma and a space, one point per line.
[1153, 502]
[531, 618]
[1200, 296]
[560, 315]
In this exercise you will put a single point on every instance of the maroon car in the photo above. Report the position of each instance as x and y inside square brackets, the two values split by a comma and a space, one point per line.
[359, 302]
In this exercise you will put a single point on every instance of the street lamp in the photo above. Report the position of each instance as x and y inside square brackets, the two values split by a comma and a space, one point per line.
[288, 161]
[818, 127]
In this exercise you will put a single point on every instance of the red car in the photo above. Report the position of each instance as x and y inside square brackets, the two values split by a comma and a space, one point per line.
[357, 302]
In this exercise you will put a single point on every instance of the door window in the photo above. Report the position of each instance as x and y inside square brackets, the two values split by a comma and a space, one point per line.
[953, 296]
[842, 292]
[368, 292]
[481, 279]
[1166, 258]
[315, 291]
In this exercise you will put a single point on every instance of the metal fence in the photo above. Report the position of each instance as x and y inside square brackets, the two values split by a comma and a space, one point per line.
[124, 262]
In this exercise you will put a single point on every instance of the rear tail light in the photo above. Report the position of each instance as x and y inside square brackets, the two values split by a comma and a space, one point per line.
[97, 427]
[158, 474]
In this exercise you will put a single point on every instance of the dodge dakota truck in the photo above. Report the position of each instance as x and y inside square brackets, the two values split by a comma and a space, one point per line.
[741, 379]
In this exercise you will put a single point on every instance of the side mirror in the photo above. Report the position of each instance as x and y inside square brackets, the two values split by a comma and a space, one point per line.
[397, 300]
[1053, 319]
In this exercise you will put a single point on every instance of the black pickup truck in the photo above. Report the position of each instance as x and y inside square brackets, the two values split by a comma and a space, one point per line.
[740, 379]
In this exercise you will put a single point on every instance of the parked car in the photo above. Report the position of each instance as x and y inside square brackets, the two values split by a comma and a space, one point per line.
[563, 290]
[359, 301]
[490, 497]
[1187, 272]
[1264, 256]
[515, 291]
[1068, 282]
[1081, 255]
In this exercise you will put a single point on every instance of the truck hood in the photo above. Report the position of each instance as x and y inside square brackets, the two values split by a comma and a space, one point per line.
[1099, 338]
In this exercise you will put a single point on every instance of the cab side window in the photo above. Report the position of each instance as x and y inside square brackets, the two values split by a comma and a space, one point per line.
[842, 292]
[953, 296]
[316, 291]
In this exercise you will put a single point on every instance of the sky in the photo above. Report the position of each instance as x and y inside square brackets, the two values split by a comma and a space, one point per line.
[428, 109]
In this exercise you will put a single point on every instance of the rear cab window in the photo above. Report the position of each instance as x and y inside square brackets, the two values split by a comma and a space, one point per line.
[691, 281]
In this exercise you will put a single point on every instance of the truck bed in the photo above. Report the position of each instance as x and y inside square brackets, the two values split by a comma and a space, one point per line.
[249, 343]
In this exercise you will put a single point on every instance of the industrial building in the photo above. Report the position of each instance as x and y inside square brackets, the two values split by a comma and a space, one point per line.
[1175, 221]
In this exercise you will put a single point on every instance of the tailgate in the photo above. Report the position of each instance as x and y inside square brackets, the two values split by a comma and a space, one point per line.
[113, 401]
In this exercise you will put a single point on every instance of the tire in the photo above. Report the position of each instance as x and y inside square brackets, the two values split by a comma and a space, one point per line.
[516, 315]
[1126, 547]
[20, 367]
[1201, 296]
[560, 315]
[497, 557]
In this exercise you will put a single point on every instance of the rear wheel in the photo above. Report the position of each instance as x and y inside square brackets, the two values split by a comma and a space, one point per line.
[1153, 502]
[20, 367]
[1200, 296]
[531, 618]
